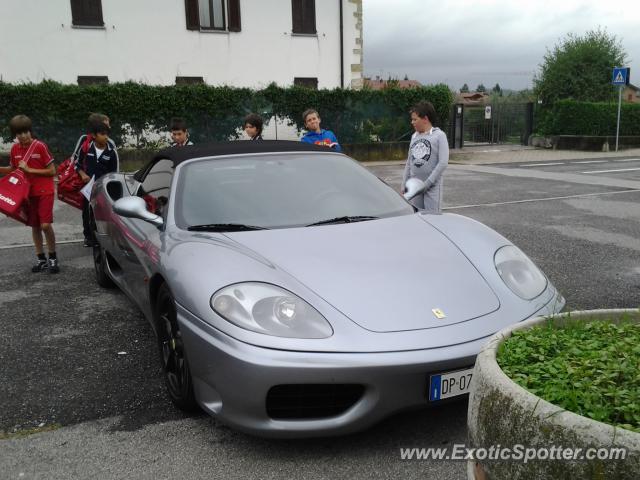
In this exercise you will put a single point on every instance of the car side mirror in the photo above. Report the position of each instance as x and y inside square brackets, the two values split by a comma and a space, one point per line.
[136, 207]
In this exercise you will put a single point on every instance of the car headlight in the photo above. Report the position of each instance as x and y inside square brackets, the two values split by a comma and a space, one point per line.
[271, 310]
[519, 272]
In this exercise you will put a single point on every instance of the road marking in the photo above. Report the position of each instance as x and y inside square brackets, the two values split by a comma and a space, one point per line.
[614, 170]
[542, 164]
[23, 245]
[601, 181]
[543, 199]
[628, 160]
[593, 161]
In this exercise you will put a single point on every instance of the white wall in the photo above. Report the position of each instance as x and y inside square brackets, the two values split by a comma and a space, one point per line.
[147, 41]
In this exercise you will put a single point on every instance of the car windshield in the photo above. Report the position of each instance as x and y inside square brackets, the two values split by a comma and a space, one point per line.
[280, 191]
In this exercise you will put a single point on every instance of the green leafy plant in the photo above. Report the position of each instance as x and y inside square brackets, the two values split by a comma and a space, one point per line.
[579, 67]
[589, 368]
[569, 117]
[142, 113]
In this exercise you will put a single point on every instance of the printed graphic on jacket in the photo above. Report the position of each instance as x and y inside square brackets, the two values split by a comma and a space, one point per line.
[420, 152]
[324, 141]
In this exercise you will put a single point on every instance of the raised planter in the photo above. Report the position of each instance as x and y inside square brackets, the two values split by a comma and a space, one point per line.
[502, 413]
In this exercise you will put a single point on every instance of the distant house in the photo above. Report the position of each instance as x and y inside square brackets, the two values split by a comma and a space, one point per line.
[631, 93]
[473, 98]
[378, 84]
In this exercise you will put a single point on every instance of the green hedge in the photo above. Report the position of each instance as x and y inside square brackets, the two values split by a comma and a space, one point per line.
[569, 117]
[60, 112]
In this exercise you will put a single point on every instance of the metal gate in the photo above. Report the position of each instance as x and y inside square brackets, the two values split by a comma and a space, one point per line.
[497, 123]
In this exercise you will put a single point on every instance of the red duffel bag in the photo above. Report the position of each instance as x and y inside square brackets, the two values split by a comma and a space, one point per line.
[14, 195]
[70, 184]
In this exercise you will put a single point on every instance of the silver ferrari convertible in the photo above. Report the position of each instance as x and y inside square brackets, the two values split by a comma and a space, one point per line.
[293, 293]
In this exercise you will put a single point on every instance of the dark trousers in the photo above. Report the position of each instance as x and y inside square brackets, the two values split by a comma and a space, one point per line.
[86, 221]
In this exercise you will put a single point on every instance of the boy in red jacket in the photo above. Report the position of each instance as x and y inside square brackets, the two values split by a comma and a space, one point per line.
[32, 156]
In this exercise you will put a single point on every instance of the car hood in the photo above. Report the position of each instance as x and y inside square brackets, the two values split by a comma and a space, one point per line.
[387, 275]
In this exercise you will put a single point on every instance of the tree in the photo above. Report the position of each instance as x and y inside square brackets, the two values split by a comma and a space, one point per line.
[497, 90]
[481, 88]
[579, 67]
[464, 89]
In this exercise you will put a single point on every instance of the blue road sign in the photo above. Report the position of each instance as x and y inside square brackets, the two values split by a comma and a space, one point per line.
[620, 76]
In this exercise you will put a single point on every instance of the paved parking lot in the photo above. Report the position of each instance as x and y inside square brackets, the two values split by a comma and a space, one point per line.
[82, 361]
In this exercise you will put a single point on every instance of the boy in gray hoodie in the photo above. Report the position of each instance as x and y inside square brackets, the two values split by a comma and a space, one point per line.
[428, 157]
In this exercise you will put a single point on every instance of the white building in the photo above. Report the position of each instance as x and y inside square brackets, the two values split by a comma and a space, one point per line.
[240, 43]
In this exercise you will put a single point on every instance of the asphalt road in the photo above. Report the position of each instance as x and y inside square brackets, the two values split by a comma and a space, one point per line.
[82, 361]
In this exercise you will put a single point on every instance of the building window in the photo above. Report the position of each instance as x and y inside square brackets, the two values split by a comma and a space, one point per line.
[189, 80]
[86, 13]
[211, 14]
[221, 15]
[92, 80]
[304, 16]
[306, 82]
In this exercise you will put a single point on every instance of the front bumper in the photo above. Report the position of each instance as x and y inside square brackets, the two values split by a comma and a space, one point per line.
[232, 379]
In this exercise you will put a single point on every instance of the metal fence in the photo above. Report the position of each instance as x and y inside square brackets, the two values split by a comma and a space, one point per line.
[497, 123]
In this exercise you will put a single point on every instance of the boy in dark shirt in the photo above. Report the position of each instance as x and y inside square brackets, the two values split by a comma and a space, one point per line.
[253, 126]
[179, 133]
[85, 140]
[100, 158]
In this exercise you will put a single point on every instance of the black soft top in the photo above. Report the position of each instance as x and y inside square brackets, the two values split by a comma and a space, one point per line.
[215, 149]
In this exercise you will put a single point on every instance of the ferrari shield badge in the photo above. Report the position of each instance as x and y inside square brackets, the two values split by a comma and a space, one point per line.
[438, 313]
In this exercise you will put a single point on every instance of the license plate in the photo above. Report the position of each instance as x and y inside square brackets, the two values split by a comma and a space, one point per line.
[449, 384]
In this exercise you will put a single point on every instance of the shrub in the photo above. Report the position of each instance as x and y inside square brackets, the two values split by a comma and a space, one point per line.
[589, 368]
[569, 117]
[59, 112]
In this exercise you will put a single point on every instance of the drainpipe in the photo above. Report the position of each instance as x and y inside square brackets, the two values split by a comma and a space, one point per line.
[341, 45]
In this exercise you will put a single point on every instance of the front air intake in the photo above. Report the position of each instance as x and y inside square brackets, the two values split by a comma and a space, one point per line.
[311, 401]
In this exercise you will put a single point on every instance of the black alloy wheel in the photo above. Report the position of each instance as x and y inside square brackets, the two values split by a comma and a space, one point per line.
[100, 266]
[175, 366]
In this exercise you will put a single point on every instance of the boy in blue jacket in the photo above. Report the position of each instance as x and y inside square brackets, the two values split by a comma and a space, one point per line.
[315, 134]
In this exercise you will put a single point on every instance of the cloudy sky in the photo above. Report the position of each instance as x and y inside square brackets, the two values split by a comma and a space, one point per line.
[485, 41]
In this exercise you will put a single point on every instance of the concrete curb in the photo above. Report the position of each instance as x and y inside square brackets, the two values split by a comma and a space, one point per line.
[503, 413]
[474, 156]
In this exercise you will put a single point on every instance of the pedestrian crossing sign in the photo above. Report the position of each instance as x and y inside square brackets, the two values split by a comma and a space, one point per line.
[620, 76]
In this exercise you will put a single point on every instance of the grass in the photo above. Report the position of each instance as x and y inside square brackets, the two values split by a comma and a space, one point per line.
[28, 431]
[589, 368]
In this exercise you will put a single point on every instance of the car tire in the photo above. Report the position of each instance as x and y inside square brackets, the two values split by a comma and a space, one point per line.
[100, 266]
[175, 367]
